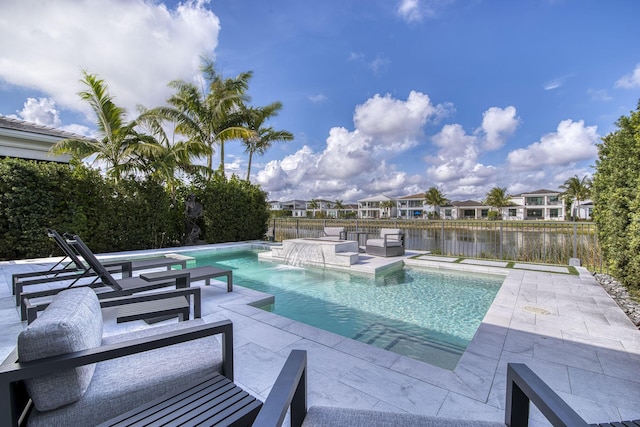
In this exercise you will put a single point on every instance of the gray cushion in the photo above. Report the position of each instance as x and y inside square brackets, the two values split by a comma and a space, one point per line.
[72, 322]
[122, 384]
[380, 243]
[319, 416]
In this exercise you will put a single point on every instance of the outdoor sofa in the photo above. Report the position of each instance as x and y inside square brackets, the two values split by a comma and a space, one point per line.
[333, 233]
[64, 372]
[389, 243]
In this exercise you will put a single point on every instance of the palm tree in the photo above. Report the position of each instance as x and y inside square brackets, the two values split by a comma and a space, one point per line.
[576, 189]
[210, 115]
[118, 141]
[338, 206]
[497, 198]
[313, 204]
[435, 198]
[168, 160]
[262, 137]
[387, 205]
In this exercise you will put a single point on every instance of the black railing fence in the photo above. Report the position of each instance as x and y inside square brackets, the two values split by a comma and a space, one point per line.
[549, 242]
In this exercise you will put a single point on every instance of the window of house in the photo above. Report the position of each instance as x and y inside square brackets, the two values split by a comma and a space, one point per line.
[534, 213]
[469, 213]
[485, 213]
[553, 200]
[535, 201]
[447, 212]
[513, 212]
[553, 213]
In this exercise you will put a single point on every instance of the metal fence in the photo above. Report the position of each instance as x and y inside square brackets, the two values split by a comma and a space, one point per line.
[549, 242]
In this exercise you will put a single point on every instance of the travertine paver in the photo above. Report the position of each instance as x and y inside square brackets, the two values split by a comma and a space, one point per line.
[484, 262]
[565, 327]
[552, 268]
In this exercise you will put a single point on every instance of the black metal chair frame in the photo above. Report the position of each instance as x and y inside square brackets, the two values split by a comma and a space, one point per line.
[14, 400]
[523, 388]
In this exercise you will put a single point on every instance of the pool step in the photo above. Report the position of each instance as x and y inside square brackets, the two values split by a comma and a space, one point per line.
[393, 339]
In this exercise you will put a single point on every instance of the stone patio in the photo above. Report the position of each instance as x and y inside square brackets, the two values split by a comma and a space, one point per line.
[565, 327]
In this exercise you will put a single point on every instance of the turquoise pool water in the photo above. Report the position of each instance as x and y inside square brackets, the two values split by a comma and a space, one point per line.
[426, 315]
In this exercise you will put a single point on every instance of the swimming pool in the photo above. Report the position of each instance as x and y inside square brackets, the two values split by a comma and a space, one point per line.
[426, 315]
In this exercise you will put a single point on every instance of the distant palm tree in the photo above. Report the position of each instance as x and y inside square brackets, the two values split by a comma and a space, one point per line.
[576, 189]
[118, 142]
[497, 198]
[262, 138]
[387, 205]
[313, 204]
[435, 198]
[338, 206]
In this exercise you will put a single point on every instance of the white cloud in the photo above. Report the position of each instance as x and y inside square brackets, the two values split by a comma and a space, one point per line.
[318, 98]
[497, 125]
[136, 46]
[395, 124]
[409, 10]
[572, 142]
[379, 64]
[356, 162]
[631, 80]
[41, 111]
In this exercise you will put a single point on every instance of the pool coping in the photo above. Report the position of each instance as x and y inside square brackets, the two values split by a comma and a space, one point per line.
[584, 337]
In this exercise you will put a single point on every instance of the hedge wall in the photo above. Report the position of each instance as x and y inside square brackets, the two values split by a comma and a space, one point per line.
[132, 214]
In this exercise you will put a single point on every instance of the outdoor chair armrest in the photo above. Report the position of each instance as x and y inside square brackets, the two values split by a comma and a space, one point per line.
[107, 299]
[523, 387]
[125, 267]
[289, 391]
[12, 371]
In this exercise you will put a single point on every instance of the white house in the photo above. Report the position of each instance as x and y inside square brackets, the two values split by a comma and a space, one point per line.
[413, 206]
[30, 141]
[539, 204]
[370, 207]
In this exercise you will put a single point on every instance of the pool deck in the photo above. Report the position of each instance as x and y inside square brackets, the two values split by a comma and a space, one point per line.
[565, 327]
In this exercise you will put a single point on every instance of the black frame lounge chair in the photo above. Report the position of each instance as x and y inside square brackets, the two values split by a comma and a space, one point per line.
[81, 270]
[523, 388]
[108, 286]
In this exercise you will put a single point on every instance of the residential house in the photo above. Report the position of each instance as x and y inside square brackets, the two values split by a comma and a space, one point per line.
[370, 208]
[468, 209]
[539, 204]
[347, 208]
[26, 140]
[412, 207]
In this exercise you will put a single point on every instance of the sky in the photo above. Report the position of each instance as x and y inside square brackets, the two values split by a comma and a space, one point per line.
[386, 97]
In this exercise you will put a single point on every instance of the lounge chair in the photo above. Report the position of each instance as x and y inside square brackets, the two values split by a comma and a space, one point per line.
[333, 233]
[390, 243]
[523, 388]
[108, 286]
[77, 269]
[64, 372]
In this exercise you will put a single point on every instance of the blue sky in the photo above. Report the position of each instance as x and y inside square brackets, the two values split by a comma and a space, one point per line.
[383, 96]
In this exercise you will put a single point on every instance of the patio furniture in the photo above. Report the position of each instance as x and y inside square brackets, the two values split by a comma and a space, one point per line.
[523, 387]
[151, 307]
[77, 269]
[108, 286]
[64, 372]
[390, 243]
[333, 233]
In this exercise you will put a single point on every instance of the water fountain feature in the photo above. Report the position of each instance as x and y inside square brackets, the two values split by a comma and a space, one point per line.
[319, 252]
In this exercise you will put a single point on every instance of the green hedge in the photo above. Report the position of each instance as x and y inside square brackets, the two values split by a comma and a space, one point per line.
[132, 214]
[616, 197]
[234, 209]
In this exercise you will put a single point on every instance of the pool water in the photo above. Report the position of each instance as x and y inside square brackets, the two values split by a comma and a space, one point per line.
[423, 314]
